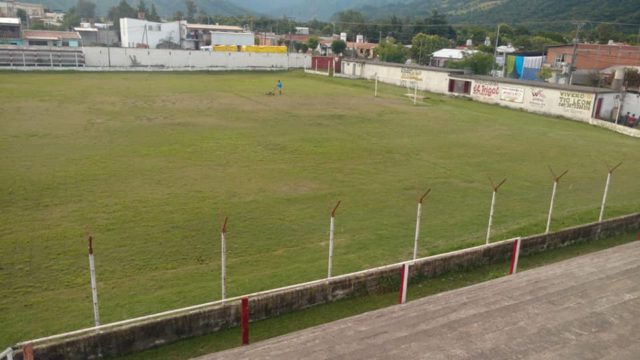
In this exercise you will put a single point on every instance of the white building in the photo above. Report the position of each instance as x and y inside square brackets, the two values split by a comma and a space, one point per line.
[143, 33]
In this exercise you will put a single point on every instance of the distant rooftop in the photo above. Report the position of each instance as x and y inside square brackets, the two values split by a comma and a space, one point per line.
[215, 27]
[9, 21]
[453, 53]
[50, 35]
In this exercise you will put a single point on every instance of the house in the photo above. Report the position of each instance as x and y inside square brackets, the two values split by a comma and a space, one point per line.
[302, 30]
[267, 38]
[593, 56]
[10, 9]
[442, 56]
[10, 31]
[590, 60]
[97, 34]
[51, 38]
[135, 33]
[53, 18]
[299, 38]
[362, 49]
[199, 35]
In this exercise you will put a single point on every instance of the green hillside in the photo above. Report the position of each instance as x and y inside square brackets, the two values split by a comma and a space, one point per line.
[165, 7]
[526, 12]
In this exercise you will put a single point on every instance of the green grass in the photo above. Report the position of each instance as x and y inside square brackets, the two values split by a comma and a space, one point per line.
[281, 325]
[152, 161]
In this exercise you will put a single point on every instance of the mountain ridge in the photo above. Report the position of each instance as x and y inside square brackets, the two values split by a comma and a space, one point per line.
[457, 11]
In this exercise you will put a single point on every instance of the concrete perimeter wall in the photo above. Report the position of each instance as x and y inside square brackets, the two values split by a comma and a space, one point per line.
[106, 57]
[427, 78]
[575, 103]
[151, 331]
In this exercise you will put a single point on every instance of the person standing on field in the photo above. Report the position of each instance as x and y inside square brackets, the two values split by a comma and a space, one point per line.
[279, 86]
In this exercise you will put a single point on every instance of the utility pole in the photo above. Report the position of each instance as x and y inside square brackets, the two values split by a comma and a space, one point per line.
[576, 40]
[495, 51]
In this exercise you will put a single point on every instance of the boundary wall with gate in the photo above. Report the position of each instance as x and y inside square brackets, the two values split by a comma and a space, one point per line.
[146, 332]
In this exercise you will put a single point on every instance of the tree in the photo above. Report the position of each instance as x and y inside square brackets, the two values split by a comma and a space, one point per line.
[22, 15]
[153, 14]
[423, 45]
[352, 22]
[479, 63]
[312, 43]
[632, 78]
[300, 47]
[192, 9]
[606, 32]
[178, 15]
[142, 8]
[391, 51]
[122, 10]
[86, 9]
[534, 43]
[437, 24]
[338, 46]
[71, 18]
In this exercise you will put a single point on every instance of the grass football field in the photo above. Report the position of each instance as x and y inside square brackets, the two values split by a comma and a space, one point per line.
[151, 162]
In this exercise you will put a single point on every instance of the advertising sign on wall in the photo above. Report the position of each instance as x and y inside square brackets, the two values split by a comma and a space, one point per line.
[411, 74]
[575, 101]
[512, 94]
[487, 89]
[538, 97]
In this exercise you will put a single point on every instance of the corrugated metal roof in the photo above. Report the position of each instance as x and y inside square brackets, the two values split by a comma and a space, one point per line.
[453, 53]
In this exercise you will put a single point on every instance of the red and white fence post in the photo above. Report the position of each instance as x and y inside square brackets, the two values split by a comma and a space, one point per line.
[244, 320]
[404, 281]
[493, 206]
[94, 288]
[606, 190]
[223, 257]
[27, 352]
[331, 230]
[556, 180]
[515, 255]
[419, 215]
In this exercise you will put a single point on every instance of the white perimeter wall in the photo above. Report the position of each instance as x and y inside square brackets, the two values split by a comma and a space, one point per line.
[433, 81]
[164, 58]
[556, 102]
